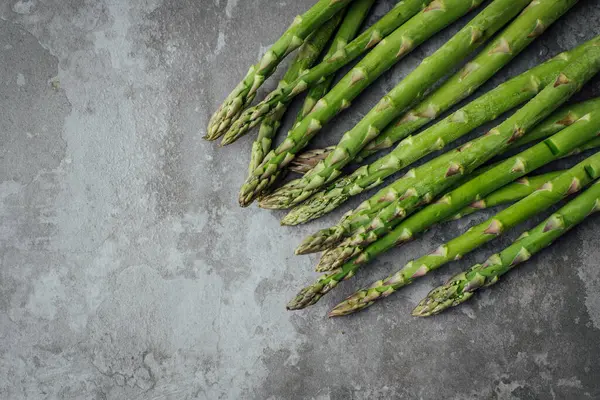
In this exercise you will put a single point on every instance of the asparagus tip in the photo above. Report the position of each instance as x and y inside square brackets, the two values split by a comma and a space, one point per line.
[272, 202]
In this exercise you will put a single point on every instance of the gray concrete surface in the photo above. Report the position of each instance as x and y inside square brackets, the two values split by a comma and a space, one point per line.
[128, 271]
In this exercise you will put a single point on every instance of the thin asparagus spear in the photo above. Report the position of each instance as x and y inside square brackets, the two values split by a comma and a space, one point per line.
[307, 160]
[521, 32]
[433, 18]
[357, 12]
[401, 13]
[549, 194]
[463, 286]
[510, 193]
[306, 57]
[378, 215]
[565, 116]
[293, 38]
[480, 186]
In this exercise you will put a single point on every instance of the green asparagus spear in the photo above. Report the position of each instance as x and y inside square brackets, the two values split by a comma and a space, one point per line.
[591, 145]
[547, 195]
[518, 189]
[528, 26]
[565, 116]
[307, 160]
[306, 57]
[378, 215]
[510, 193]
[480, 186]
[484, 109]
[401, 13]
[437, 15]
[463, 286]
[293, 38]
[357, 13]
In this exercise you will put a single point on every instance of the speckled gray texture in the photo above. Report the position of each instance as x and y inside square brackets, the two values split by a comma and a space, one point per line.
[129, 272]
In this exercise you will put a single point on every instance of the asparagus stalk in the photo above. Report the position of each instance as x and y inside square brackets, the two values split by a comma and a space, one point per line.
[510, 193]
[378, 215]
[306, 57]
[293, 38]
[436, 16]
[528, 26]
[479, 187]
[591, 145]
[357, 12]
[565, 116]
[401, 13]
[307, 160]
[463, 286]
[549, 194]
[484, 109]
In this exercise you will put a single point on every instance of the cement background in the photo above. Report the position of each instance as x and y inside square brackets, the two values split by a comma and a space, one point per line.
[127, 270]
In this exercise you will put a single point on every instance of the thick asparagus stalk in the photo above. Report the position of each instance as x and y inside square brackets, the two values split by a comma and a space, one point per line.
[357, 12]
[401, 13]
[484, 109]
[463, 286]
[479, 187]
[565, 116]
[293, 38]
[591, 145]
[306, 57]
[549, 194]
[432, 19]
[528, 26]
[378, 215]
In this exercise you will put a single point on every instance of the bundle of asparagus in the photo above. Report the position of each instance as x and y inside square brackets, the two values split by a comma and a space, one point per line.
[378, 215]
[403, 11]
[462, 287]
[477, 188]
[415, 31]
[524, 29]
[547, 195]
[245, 91]
[484, 109]
[307, 55]
[450, 186]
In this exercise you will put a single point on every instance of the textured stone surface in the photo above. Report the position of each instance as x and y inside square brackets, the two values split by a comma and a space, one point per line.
[127, 270]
